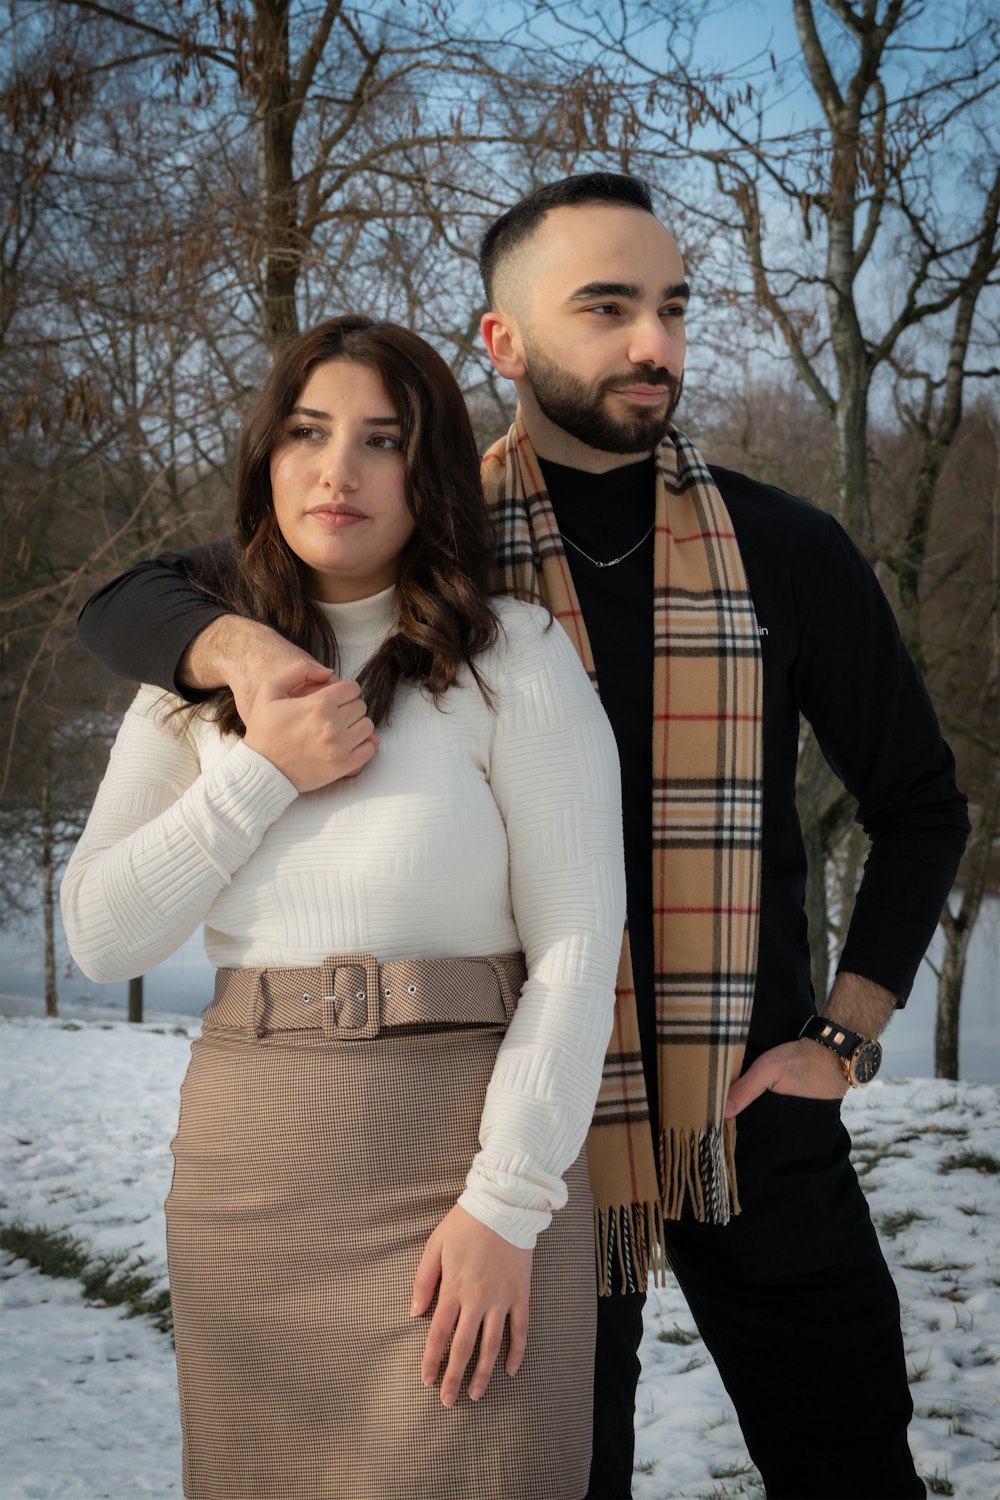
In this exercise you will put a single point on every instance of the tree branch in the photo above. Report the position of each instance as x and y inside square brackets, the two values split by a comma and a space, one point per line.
[744, 195]
[185, 45]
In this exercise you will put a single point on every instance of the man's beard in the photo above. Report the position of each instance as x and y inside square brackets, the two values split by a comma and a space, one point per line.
[581, 410]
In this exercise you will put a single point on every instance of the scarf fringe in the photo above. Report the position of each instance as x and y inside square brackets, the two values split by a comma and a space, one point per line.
[698, 1167]
[630, 1242]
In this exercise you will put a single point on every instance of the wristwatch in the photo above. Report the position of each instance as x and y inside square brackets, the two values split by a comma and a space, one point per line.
[860, 1056]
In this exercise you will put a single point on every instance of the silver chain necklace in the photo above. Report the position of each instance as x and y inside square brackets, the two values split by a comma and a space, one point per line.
[614, 561]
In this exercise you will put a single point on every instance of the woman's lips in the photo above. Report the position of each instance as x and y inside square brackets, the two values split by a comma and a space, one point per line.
[336, 520]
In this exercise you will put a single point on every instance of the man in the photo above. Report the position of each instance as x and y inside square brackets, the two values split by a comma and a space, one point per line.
[713, 611]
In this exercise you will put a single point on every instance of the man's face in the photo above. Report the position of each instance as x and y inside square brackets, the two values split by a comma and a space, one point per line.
[598, 320]
[633, 423]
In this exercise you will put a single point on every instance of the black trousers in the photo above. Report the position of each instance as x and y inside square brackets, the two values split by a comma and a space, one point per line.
[796, 1305]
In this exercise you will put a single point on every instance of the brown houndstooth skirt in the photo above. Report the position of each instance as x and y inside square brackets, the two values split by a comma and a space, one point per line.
[328, 1119]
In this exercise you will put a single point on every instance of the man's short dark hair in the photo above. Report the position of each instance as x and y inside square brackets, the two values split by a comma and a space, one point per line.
[521, 221]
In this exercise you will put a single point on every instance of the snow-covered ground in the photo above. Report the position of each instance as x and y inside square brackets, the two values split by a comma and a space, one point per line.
[89, 1405]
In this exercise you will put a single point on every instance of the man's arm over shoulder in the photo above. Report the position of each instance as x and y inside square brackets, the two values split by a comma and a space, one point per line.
[141, 624]
[163, 622]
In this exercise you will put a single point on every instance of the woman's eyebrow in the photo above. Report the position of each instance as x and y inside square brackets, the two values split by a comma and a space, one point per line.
[324, 416]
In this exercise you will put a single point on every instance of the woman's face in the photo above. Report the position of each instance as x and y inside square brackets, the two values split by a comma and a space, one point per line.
[338, 479]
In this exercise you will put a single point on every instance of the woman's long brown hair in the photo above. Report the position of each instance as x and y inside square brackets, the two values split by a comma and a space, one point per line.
[443, 588]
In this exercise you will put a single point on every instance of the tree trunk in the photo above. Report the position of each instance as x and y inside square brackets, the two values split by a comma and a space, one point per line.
[817, 912]
[847, 343]
[851, 447]
[949, 996]
[957, 928]
[135, 999]
[48, 884]
[278, 195]
[49, 906]
[825, 811]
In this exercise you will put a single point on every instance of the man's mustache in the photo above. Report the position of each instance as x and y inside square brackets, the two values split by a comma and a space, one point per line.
[641, 375]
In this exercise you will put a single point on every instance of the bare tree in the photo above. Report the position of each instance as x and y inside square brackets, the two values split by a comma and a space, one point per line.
[855, 239]
[856, 257]
[194, 177]
[188, 179]
[951, 618]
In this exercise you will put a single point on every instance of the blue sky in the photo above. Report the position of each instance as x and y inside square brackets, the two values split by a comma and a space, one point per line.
[738, 36]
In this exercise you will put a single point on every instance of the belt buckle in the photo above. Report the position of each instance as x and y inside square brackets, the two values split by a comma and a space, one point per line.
[350, 1012]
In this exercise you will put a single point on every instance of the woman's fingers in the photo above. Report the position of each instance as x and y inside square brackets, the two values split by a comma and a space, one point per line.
[484, 1281]
[518, 1336]
[446, 1315]
[427, 1277]
[490, 1341]
[314, 737]
[463, 1346]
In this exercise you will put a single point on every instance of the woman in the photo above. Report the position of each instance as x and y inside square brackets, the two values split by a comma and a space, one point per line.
[411, 880]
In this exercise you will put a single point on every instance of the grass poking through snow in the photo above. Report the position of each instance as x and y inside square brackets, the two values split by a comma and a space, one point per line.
[119, 1280]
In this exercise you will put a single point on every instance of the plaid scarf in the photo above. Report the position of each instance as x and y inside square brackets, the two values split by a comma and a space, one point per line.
[706, 810]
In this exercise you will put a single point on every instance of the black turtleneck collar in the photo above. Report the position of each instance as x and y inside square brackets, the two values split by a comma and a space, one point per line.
[600, 512]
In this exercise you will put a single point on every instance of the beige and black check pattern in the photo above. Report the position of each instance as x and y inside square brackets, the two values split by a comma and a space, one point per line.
[352, 995]
[706, 817]
[312, 1162]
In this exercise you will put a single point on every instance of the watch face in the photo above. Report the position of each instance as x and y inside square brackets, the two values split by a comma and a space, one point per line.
[866, 1062]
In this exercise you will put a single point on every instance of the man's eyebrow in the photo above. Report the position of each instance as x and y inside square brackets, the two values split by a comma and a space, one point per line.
[324, 416]
[630, 290]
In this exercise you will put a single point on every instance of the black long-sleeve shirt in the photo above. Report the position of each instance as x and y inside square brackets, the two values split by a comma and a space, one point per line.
[831, 652]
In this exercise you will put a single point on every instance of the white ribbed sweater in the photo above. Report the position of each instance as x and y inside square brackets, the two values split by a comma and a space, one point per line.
[469, 832]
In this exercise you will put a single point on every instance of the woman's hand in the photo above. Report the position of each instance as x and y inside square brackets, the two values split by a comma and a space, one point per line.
[484, 1280]
[314, 733]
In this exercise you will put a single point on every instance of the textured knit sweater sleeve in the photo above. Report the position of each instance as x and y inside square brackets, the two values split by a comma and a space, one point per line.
[471, 831]
[162, 841]
[555, 776]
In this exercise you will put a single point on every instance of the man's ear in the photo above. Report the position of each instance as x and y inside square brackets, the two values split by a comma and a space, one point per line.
[503, 345]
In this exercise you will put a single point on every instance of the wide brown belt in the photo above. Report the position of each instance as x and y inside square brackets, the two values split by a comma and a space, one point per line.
[351, 996]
